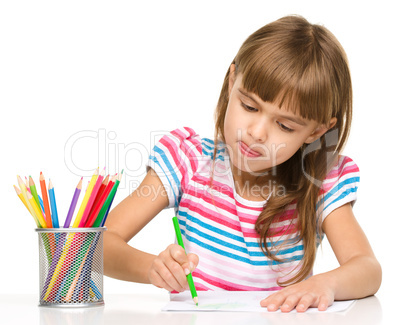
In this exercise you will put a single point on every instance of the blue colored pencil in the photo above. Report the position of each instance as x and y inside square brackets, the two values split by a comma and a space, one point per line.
[52, 198]
[95, 289]
[41, 204]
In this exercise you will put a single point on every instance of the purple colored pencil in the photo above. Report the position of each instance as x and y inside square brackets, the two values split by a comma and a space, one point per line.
[73, 204]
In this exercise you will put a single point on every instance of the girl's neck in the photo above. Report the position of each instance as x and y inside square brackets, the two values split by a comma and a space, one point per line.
[252, 187]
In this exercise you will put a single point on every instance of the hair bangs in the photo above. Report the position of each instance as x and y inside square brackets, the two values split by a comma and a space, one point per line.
[297, 81]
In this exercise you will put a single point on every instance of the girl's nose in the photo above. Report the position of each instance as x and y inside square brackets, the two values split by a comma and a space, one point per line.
[258, 130]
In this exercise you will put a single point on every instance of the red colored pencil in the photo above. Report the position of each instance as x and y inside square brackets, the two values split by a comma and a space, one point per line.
[100, 191]
[91, 199]
[102, 200]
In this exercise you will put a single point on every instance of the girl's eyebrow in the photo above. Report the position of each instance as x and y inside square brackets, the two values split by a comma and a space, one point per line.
[245, 93]
[294, 119]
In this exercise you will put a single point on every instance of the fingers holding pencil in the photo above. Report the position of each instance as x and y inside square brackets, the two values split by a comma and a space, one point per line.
[172, 268]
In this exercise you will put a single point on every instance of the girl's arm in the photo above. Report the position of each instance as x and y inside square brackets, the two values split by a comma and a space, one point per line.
[127, 263]
[358, 276]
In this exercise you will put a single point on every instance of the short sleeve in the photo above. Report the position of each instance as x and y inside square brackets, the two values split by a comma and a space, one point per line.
[175, 159]
[339, 187]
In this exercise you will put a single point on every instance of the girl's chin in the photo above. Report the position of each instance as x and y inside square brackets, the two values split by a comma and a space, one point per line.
[250, 168]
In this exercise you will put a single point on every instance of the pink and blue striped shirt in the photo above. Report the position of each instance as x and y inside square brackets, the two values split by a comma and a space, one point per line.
[218, 224]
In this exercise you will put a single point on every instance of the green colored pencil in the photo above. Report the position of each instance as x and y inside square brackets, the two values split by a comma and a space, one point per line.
[33, 191]
[107, 203]
[189, 276]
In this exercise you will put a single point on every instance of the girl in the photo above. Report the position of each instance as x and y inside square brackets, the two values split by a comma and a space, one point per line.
[255, 203]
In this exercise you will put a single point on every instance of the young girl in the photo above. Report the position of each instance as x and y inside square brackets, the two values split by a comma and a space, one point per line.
[255, 203]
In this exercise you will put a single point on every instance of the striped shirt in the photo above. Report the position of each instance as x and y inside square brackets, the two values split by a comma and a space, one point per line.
[218, 224]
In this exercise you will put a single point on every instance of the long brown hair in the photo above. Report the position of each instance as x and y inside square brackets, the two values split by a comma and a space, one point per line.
[302, 67]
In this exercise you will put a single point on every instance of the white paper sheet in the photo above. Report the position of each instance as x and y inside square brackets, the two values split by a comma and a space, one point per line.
[242, 301]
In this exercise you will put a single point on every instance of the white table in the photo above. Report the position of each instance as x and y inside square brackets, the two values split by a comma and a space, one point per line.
[146, 309]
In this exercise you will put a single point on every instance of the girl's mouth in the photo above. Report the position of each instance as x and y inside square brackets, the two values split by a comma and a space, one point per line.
[247, 151]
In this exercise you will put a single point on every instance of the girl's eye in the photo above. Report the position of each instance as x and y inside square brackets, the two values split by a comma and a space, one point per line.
[285, 128]
[249, 108]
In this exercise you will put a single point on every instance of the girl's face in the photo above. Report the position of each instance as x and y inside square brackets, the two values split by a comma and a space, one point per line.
[259, 135]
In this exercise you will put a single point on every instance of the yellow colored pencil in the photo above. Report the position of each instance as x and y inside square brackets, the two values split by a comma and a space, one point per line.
[85, 199]
[24, 195]
[34, 193]
[19, 193]
[36, 209]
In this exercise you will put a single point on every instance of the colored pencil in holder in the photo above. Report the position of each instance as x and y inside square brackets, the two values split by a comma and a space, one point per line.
[45, 197]
[73, 204]
[103, 212]
[52, 197]
[102, 200]
[85, 199]
[36, 210]
[99, 194]
[91, 199]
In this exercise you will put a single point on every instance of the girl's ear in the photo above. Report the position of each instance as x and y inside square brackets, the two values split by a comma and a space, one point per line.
[321, 130]
[232, 77]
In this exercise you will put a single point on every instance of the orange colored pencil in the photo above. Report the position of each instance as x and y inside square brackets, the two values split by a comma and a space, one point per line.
[48, 216]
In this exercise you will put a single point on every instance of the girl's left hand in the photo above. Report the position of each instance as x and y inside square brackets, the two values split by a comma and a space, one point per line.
[313, 292]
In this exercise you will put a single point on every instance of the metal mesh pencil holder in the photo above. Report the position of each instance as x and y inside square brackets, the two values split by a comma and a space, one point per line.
[70, 267]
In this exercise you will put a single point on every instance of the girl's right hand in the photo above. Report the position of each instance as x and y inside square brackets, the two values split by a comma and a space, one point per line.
[169, 268]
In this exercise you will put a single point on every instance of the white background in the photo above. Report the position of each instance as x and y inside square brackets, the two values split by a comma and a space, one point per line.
[86, 84]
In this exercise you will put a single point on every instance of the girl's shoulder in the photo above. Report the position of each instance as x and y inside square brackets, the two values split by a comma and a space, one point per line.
[340, 186]
[344, 170]
[191, 144]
